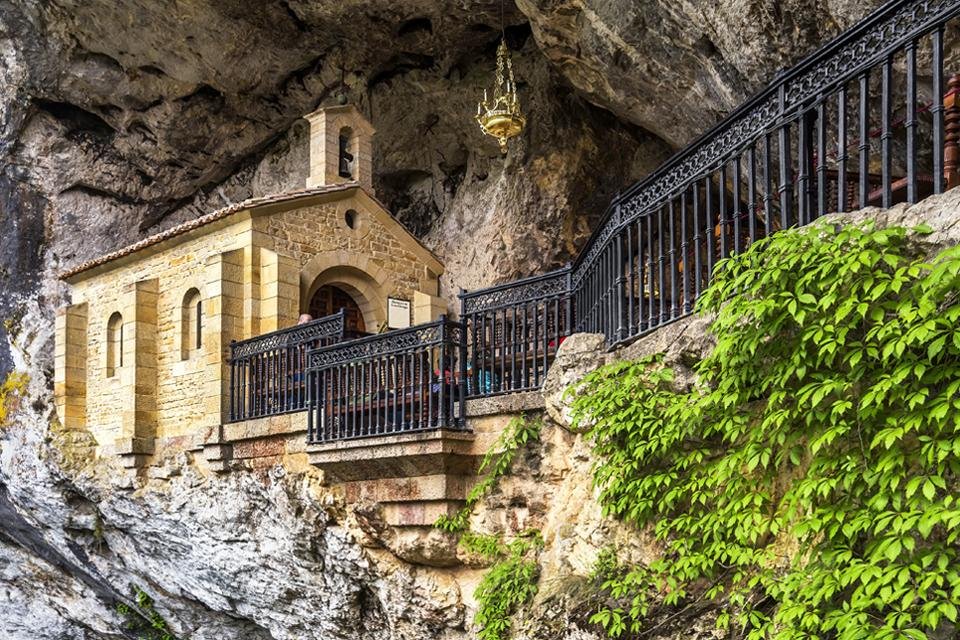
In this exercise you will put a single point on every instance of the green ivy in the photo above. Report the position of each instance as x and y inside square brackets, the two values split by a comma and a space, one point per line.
[143, 620]
[512, 580]
[495, 464]
[507, 585]
[809, 483]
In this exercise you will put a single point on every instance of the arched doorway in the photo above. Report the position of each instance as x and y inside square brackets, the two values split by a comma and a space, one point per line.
[329, 299]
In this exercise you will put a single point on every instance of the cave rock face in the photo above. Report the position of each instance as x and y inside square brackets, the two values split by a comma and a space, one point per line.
[674, 68]
[119, 119]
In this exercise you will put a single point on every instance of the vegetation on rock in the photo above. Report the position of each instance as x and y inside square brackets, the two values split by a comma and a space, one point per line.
[509, 584]
[12, 389]
[512, 579]
[809, 484]
[143, 620]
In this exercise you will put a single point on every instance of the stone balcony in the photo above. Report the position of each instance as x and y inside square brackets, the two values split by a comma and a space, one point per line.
[415, 476]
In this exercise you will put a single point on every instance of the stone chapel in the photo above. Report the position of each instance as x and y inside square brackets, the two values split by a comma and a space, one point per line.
[142, 351]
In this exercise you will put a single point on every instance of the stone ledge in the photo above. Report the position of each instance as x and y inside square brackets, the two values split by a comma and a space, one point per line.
[284, 424]
[404, 455]
[133, 446]
[134, 460]
[506, 403]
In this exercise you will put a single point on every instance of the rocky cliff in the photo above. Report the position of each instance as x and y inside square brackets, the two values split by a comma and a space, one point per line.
[119, 119]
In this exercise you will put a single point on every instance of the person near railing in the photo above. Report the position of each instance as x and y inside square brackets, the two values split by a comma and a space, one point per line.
[482, 379]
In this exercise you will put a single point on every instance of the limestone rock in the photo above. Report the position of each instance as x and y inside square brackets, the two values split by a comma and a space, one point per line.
[424, 546]
[119, 119]
[937, 212]
[683, 344]
[578, 355]
[675, 68]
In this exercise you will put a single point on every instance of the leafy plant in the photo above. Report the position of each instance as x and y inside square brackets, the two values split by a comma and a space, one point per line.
[512, 580]
[809, 484]
[143, 619]
[496, 463]
[508, 584]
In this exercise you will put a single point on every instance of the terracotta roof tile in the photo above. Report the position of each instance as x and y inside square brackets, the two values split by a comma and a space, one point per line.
[206, 219]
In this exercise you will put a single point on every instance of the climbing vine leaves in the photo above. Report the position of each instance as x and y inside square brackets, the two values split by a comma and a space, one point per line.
[511, 580]
[810, 482]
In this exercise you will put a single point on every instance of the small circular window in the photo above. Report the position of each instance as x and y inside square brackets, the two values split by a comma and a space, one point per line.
[351, 218]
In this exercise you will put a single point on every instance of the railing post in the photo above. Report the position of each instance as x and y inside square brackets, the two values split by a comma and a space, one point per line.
[343, 324]
[442, 417]
[233, 384]
[786, 178]
[308, 380]
[569, 311]
[936, 64]
[463, 360]
[620, 331]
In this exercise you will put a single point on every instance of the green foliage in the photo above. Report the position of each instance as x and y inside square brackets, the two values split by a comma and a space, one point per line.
[512, 580]
[809, 484]
[496, 463]
[487, 545]
[508, 584]
[143, 619]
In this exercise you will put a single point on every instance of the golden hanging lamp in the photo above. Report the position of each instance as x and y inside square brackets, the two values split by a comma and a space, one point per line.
[501, 117]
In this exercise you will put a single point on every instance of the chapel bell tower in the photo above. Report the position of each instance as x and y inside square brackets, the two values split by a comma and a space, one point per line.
[340, 147]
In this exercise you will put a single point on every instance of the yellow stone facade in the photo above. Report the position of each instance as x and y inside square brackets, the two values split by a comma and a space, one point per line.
[255, 268]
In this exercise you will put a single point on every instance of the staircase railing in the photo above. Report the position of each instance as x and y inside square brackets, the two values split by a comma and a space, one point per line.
[857, 123]
[860, 122]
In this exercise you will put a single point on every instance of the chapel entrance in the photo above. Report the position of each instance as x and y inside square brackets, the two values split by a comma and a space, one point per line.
[329, 299]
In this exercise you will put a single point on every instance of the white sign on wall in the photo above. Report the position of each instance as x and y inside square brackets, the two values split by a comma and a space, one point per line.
[398, 313]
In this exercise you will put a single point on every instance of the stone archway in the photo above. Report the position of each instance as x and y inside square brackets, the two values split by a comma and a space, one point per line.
[367, 284]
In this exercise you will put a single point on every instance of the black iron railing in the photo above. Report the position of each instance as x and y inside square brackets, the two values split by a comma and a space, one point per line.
[268, 373]
[397, 382]
[513, 332]
[860, 122]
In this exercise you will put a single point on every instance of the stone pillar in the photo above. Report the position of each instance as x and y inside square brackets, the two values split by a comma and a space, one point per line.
[279, 291]
[138, 375]
[223, 312]
[364, 161]
[317, 176]
[427, 308]
[251, 296]
[70, 366]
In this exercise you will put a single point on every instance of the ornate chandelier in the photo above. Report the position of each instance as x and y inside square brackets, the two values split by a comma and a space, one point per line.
[501, 117]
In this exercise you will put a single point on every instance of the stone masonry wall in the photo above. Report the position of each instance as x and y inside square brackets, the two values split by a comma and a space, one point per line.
[179, 406]
[305, 232]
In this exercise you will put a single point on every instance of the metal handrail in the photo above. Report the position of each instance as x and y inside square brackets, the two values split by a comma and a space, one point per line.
[327, 326]
[937, 11]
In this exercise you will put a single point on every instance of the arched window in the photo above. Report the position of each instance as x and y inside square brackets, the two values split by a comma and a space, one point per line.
[345, 164]
[191, 324]
[114, 344]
